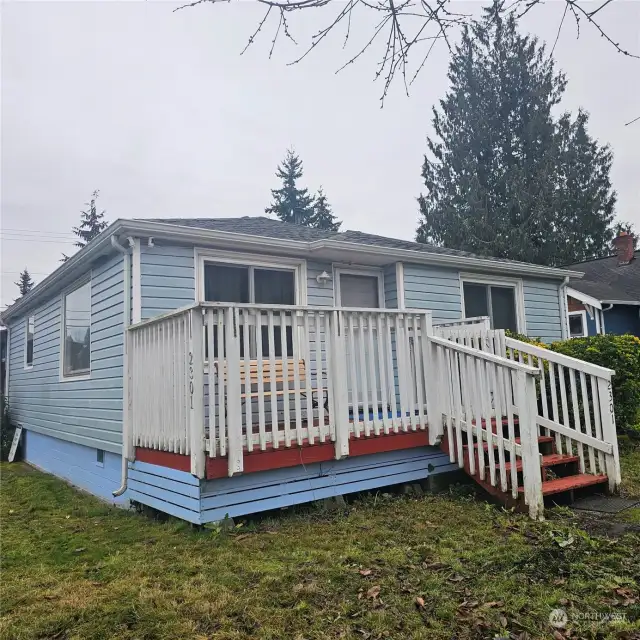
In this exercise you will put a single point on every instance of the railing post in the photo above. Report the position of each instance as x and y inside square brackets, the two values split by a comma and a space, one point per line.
[609, 435]
[195, 383]
[433, 378]
[339, 389]
[234, 402]
[526, 400]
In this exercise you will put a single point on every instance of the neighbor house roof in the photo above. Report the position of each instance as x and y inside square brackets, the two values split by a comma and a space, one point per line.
[249, 234]
[608, 281]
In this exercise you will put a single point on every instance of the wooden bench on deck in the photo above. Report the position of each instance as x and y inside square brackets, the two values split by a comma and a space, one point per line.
[281, 374]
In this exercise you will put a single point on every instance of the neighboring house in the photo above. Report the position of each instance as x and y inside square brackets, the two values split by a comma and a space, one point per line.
[162, 341]
[607, 298]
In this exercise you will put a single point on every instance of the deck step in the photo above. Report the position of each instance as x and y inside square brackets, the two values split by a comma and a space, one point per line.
[550, 460]
[541, 439]
[568, 483]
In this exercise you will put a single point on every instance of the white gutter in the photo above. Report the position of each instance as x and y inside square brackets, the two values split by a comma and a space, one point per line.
[7, 368]
[195, 234]
[629, 303]
[126, 427]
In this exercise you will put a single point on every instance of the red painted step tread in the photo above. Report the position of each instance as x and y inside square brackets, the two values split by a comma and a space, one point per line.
[550, 460]
[541, 439]
[569, 482]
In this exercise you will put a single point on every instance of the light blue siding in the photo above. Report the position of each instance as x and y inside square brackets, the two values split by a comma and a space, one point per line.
[75, 463]
[390, 287]
[319, 295]
[85, 412]
[433, 288]
[180, 494]
[542, 309]
[167, 278]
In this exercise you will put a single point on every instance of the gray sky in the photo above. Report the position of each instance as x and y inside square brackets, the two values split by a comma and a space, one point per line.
[160, 112]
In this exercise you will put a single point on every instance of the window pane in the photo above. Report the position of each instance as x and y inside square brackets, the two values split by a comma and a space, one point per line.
[576, 330]
[77, 331]
[359, 291]
[503, 308]
[223, 283]
[274, 287]
[475, 300]
[29, 345]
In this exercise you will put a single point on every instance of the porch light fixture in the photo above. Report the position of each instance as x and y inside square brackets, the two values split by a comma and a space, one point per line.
[323, 278]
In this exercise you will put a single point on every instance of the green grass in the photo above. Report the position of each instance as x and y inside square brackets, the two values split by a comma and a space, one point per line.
[73, 568]
[630, 465]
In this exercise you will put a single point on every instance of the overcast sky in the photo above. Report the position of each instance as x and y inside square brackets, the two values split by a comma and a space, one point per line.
[160, 112]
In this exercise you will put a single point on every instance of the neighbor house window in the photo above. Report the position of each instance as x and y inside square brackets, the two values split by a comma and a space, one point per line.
[76, 333]
[498, 301]
[28, 347]
[252, 284]
[578, 324]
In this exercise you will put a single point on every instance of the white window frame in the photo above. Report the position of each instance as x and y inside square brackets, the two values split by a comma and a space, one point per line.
[28, 365]
[498, 281]
[214, 256]
[585, 328]
[339, 269]
[80, 376]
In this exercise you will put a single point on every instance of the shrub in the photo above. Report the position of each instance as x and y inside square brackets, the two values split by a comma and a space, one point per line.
[622, 354]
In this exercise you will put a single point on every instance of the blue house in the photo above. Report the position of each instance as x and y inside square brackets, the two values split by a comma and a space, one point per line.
[607, 298]
[212, 367]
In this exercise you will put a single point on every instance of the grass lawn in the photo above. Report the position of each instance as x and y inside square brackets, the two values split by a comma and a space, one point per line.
[430, 567]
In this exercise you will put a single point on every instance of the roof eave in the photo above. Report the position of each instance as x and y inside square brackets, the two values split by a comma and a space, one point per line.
[66, 273]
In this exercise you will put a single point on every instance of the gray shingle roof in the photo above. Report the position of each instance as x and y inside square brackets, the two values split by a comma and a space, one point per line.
[605, 279]
[269, 228]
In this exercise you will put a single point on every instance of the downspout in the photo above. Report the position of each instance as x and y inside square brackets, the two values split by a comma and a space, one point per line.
[564, 308]
[126, 257]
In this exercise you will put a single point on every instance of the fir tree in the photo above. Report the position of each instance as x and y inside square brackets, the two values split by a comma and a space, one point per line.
[290, 203]
[92, 223]
[25, 283]
[503, 176]
[323, 217]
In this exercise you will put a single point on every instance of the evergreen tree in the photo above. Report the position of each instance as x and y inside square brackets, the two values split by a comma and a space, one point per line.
[92, 223]
[503, 177]
[290, 203]
[25, 283]
[323, 217]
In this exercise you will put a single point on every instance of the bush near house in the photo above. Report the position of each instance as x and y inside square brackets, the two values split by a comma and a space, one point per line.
[620, 353]
[6, 429]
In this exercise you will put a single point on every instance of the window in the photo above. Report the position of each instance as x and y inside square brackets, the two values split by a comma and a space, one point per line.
[76, 332]
[100, 457]
[578, 324]
[249, 284]
[498, 301]
[359, 291]
[28, 346]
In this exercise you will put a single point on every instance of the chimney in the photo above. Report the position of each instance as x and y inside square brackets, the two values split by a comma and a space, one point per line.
[623, 245]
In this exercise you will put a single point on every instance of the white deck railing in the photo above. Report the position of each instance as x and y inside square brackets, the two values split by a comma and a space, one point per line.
[225, 380]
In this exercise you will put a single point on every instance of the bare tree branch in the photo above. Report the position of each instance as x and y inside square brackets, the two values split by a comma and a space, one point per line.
[404, 25]
[632, 121]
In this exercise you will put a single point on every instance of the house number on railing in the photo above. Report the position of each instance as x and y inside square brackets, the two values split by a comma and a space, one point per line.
[611, 402]
[191, 379]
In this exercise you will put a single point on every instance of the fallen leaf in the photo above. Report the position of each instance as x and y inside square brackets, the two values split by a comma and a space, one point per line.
[374, 592]
[243, 536]
[365, 572]
[563, 601]
[456, 577]
[504, 621]
[559, 581]
[11, 511]
[435, 566]
[420, 602]
[558, 636]
[79, 550]
[494, 603]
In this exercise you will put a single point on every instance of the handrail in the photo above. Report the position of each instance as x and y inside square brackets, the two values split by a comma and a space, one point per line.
[462, 322]
[560, 358]
[163, 316]
[484, 355]
[298, 307]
